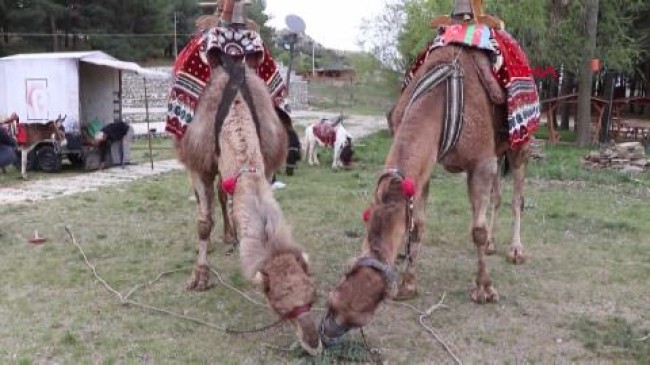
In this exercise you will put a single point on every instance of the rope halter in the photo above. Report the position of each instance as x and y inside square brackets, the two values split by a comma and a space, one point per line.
[409, 188]
[229, 184]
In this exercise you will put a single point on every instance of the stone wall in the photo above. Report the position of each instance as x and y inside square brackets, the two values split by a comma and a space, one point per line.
[133, 106]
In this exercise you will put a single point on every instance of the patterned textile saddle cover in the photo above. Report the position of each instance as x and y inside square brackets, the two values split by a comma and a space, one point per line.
[192, 72]
[325, 133]
[509, 66]
[18, 131]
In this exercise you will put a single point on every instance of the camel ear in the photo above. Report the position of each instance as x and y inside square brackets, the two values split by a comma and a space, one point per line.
[258, 279]
[261, 279]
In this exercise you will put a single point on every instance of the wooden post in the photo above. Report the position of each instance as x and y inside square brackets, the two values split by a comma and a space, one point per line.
[146, 113]
[606, 121]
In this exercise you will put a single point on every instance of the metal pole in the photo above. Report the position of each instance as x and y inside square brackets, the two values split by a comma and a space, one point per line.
[292, 42]
[146, 113]
[313, 59]
[175, 42]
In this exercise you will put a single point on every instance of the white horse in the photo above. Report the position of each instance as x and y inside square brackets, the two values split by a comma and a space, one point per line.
[330, 135]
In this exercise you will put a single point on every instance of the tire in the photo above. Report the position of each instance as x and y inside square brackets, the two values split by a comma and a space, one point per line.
[32, 160]
[48, 159]
[76, 159]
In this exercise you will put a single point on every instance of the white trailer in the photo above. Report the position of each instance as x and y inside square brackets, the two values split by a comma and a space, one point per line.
[84, 86]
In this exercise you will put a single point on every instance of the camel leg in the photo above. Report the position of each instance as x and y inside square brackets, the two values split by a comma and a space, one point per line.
[480, 184]
[495, 204]
[204, 191]
[408, 280]
[516, 252]
[228, 231]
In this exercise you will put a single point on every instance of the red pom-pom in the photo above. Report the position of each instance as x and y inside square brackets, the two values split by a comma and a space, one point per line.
[366, 215]
[228, 185]
[408, 187]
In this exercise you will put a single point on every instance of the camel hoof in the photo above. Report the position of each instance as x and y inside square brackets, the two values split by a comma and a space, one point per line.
[404, 293]
[200, 280]
[484, 294]
[210, 249]
[407, 288]
[491, 248]
[516, 256]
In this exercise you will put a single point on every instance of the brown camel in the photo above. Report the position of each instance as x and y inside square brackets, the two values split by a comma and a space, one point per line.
[397, 210]
[237, 135]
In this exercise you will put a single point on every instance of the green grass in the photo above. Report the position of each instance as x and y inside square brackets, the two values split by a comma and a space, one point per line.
[582, 296]
[368, 98]
[613, 338]
[565, 135]
[563, 162]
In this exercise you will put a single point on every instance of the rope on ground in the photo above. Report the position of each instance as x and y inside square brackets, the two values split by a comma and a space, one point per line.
[124, 299]
[215, 272]
[429, 329]
[642, 338]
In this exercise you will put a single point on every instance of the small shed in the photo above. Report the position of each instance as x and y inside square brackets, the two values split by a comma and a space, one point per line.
[334, 75]
[85, 86]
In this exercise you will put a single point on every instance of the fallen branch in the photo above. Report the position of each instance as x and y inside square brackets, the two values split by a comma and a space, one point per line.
[124, 299]
[642, 338]
[427, 313]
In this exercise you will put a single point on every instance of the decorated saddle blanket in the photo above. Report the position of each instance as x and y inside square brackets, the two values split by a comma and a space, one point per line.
[18, 132]
[325, 133]
[509, 66]
[191, 72]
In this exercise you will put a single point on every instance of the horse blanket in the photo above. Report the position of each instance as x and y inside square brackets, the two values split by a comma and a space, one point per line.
[192, 72]
[18, 131]
[325, 133]
[509, 66]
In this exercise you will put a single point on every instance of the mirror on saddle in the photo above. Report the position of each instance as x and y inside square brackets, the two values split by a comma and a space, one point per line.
[468, 11]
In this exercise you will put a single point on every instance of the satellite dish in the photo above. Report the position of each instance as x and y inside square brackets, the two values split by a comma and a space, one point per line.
[295, 23]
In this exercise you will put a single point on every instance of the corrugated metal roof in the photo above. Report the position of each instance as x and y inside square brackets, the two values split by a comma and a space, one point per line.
[57, 55]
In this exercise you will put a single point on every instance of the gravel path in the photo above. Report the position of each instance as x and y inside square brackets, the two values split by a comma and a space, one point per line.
[30, 192]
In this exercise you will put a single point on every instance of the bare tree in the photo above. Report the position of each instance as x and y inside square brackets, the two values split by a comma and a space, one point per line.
[381, 34]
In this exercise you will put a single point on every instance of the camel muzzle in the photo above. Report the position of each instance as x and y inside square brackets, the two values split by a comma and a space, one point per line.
[330, 331]
[307, 333]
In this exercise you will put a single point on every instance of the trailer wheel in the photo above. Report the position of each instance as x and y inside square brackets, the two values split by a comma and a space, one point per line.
[32, 160]
[48, 159]
[76, 159]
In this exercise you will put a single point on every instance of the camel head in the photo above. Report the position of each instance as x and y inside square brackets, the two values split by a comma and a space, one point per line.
[371, 277]
[289, 288]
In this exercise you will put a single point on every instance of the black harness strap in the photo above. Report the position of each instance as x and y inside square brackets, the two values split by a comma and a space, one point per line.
[237, 81]
[248, 98]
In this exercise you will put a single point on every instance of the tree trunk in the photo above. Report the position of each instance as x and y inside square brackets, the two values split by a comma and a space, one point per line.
[55, 43]
[5, 31]
[584, 90]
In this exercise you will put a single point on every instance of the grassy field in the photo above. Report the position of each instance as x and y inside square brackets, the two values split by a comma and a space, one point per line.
[582, 296]
[362, 98]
